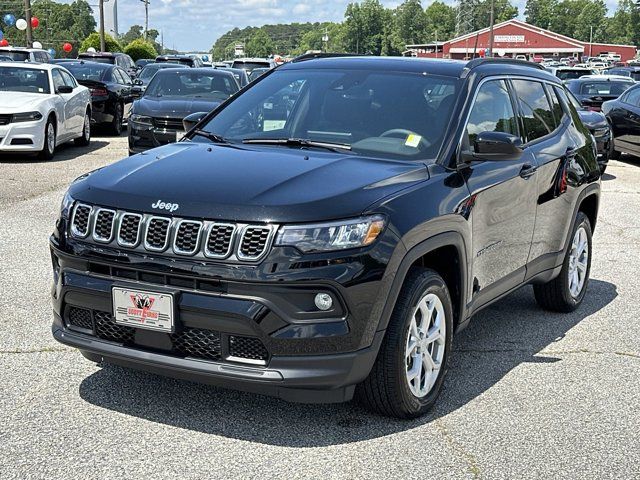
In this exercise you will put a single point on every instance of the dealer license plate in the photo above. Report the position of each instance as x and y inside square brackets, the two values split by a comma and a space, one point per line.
[142, 309]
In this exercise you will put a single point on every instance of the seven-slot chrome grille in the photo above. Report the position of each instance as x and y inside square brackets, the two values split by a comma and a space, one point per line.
[172, 236]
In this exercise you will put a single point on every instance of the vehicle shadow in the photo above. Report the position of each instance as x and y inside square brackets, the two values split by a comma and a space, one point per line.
[607, 176]
[502, 337]
[66, 151]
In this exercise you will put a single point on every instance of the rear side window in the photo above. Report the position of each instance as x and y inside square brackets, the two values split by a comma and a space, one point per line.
[556, 106]
[492, 111]
[537, 117]
[632, 97]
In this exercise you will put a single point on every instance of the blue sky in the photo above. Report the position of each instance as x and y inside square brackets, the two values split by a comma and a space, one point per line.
[190, 25]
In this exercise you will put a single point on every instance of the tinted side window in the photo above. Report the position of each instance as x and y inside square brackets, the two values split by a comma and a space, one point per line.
[632, 97]
[558, 112]
[68, 79]
[492, 111]
[537, 118]
[125, 77]
[58, 81]
[117, 76]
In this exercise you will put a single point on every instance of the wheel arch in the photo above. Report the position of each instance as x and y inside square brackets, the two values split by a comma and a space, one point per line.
[435, 252]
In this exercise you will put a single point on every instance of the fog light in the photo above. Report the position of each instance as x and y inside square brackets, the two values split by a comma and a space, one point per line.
[323, 301]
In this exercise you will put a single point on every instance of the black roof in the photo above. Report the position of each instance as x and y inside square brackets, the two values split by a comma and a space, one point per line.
[100, 54]
[446, 67]
[185, 57]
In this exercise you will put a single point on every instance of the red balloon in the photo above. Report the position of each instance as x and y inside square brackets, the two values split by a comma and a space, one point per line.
[35, 22]
[67, 47]
[4, 42]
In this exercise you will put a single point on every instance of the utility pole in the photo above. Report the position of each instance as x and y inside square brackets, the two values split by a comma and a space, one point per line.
[27, 13]
[591, 41]
[436, 43]
[103, 44]
[491, 30]
[146, 17]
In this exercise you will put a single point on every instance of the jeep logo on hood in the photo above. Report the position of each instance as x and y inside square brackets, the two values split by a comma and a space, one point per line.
[172, 207]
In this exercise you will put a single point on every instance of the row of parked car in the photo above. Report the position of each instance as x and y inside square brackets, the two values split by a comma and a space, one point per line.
[60, 99]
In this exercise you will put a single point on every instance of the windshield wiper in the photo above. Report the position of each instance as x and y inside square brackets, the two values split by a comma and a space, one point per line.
[298, 142]
[214, 137]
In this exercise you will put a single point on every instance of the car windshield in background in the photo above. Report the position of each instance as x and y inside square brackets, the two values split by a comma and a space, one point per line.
[604, 88]
[14, 79]
[257, 73]
[572, 74]
[249, 66]
[384, 114]
[88, 71]
[185, 83]
[108, 60]
[627, 73]
[17, 56]
[150, 70]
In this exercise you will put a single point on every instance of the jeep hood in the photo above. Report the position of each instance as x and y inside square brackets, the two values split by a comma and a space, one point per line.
[248, 183]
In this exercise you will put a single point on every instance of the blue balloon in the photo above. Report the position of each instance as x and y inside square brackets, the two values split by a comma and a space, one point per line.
[9, 19]
[52, 52]
[205, 58]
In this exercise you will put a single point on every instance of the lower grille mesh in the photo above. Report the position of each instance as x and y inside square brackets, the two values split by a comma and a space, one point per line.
[190, 342]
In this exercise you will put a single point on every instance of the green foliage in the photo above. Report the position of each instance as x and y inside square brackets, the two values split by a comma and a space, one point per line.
[93, 40]
[410, 22]
[140, 48]
[365, 27]
[260, 45]
[540, 12]
[59, 22]
[624, 26]
[503, 10]
[440, 18]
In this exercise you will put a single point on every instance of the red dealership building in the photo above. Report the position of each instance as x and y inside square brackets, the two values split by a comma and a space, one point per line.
[515, 37]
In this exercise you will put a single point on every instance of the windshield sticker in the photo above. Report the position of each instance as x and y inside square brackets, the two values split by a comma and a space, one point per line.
[269, 125]
[413, 140]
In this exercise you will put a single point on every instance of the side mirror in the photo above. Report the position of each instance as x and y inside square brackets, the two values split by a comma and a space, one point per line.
[136, 91]
[62, 89]
[190, 121]
[137, 81]
[497, 146]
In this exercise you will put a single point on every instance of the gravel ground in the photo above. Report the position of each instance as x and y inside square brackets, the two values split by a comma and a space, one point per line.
[529, 394]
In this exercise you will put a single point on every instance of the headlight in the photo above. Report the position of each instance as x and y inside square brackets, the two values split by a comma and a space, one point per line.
[358, 232]
[27, 117]
[141, 119]
[601, 132]
[67, 204]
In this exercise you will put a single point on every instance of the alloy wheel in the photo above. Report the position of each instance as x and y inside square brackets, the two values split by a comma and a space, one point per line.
[424, 351]
[51, 138]
[578, 262]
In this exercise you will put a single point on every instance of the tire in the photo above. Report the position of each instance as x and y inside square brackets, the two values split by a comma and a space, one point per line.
[116, 123]
[85, 139]
[562, 294]
[49, 149]
[387, 390]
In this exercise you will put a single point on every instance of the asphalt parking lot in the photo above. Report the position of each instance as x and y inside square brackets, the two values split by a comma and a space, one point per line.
[529, 394]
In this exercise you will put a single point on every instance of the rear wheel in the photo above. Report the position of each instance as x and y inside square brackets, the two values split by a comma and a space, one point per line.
[566, 292]
[85, 139]
[49, 149]
[409, 371]
[116, 123]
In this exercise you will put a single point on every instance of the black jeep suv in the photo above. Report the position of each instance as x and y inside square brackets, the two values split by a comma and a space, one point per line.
[326, 231]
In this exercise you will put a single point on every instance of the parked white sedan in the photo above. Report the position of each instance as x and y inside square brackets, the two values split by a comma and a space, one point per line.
[41, 107]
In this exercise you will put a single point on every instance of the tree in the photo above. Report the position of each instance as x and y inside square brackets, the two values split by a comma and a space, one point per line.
[440, 18]
[623, 27]
[410, 22]
[365, 27]
[260, 45]
[540, 12]
[503, 10]
[591, 19]
[134, 33]
[565, 14]
[140, 48]
[93, 41]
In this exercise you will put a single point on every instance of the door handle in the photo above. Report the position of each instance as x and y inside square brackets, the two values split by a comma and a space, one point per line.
[528, 170]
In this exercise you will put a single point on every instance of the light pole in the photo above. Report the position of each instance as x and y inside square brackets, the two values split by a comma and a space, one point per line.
[27, 13]
[146, 17]
[103, 43]
[491, 30]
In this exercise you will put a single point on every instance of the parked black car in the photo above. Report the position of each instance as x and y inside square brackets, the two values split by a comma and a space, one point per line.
[257, 73]
[143, 62]
[147, 73]
[187, 60]
[624, 116]
[121, 60]
[592, 92]
[110, 88]
[156, 118]
[334, 247]
[599, 127]
[241, 76]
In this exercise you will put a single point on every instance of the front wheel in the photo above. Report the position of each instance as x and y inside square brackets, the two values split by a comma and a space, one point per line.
[410, 368]
[116, 123]
[49, 149]
[566, 292]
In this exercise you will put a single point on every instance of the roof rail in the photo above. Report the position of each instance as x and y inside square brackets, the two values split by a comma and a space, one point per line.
[312, 56]
[476, 62]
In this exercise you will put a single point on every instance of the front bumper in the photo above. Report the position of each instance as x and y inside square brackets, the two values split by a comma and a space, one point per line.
[22, 136]
[144, 137]
[310, 356]
[603, 144]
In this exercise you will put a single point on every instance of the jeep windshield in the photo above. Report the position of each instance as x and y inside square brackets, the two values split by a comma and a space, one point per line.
[401, 115]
